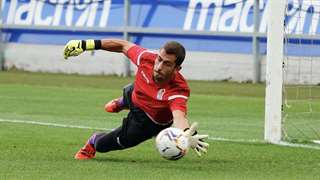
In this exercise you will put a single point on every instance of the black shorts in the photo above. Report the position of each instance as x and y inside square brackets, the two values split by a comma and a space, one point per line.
[136, 128]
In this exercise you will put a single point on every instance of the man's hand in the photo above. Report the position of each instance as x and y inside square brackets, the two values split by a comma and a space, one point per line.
[195, 140]
[73, 48]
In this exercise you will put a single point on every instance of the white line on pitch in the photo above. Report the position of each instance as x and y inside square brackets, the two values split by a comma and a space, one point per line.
[52, 124]
[105, 129]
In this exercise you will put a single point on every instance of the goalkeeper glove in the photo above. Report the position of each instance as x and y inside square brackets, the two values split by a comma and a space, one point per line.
[196, 140]
[76, 47]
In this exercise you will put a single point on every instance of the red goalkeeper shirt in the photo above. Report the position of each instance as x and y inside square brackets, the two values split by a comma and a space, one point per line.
[157, 101]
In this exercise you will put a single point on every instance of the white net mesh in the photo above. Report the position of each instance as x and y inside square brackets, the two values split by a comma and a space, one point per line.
[301, 96]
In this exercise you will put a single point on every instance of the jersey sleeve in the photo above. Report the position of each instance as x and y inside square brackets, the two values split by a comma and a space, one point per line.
[178, 104]
[178, 100]
[134, 54]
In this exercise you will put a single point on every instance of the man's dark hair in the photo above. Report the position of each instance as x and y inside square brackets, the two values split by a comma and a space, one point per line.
[175, 48]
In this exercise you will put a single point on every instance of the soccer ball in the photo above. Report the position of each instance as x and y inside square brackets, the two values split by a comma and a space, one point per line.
[172, 144]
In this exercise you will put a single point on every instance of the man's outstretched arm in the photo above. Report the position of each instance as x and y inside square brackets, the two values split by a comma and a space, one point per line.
[179, 119]
[76, 47]
[196, 141]
[116, 45]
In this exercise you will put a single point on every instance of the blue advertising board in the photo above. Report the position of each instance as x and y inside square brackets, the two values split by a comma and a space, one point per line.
[234, 16]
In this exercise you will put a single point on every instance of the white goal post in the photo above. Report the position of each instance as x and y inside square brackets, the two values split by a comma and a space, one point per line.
[274, 72]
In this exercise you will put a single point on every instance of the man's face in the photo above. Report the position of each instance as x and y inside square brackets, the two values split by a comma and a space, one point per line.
[164, 67]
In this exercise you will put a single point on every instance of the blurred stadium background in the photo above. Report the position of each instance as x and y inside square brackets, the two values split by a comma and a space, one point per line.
[225, 64]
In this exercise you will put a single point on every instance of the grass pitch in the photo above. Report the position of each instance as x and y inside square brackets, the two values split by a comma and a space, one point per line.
[228, 110]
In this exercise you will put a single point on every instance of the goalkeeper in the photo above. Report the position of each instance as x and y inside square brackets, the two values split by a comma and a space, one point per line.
[157, 100]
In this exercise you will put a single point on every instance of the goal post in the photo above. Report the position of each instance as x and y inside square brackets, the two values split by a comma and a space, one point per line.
[292, 98]
[274, 72]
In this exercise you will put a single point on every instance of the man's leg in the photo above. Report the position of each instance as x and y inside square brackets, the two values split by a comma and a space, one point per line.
[117, 105]
[87, 151]
[135, 129]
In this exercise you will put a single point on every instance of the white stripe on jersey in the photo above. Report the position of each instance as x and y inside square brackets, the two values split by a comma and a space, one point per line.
[138, 60]
[177, 96]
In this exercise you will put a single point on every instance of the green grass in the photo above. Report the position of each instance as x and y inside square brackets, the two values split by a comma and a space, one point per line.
[41, 152]
[229, 110]
[222, 109]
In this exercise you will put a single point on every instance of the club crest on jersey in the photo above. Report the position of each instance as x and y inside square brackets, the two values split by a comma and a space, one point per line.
[160, 94]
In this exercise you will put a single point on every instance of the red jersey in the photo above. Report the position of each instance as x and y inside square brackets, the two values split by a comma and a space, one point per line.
[157, 101]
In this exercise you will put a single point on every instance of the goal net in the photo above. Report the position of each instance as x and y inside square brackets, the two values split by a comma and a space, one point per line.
[300, 87]
[301, 90]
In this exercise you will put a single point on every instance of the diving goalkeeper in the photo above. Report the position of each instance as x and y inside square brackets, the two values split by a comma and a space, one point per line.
[156, 100]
